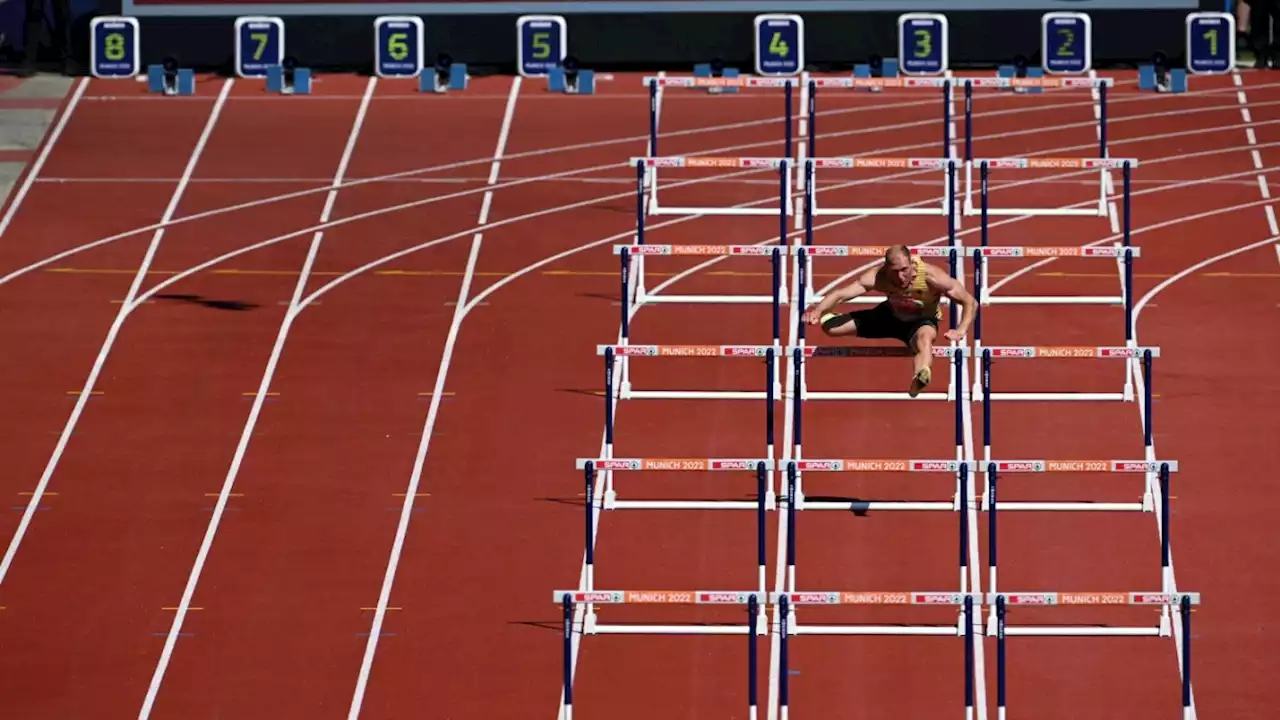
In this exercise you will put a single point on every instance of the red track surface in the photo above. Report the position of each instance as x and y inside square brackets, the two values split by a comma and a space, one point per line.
[314, 470]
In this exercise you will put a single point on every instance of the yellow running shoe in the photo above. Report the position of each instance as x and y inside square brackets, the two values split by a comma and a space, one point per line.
[920, 381]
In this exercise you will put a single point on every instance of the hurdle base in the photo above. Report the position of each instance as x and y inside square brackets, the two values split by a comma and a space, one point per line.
[872, 505]
[762, 628]
[834, 395]
[970, 211]
[850, 212]
[629, 394]
[707, 299]
[1046, 396]
[655, 209]
[1081, 506]
[1052, 300]
[912, 630]
[1072, 631]
[770, 503]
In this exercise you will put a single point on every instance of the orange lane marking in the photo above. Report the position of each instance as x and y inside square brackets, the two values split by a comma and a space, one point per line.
[220, 494]
[445, 394]
[374, 609]
[29, 493]
[174, 609]
[254, 393]
[91, 392]
[415, 494]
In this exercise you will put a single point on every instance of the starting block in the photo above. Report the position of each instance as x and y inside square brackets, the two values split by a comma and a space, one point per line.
[433, 80]
[1009, 71]
[279, 82]
[583, 84]
[704, 70]
[1175, 82]
[183, 82]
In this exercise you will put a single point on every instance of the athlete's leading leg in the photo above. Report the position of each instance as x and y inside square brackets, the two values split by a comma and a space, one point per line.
[922, 346]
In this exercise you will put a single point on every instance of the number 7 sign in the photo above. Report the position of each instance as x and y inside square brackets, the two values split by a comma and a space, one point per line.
[259, 44]
[541, 43]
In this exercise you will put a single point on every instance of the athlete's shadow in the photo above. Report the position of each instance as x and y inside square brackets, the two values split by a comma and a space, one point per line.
[236, 305]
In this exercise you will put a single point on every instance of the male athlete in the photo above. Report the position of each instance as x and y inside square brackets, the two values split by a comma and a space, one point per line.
[910, 312]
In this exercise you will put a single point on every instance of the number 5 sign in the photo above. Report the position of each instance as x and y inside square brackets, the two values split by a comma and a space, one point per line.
[398, 47]
[541, 43]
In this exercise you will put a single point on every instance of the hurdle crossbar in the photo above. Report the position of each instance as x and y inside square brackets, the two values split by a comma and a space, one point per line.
[647, 182]
[755, 625]
[960, 468]
[945, 164]
[635, 260]
[994, 468]
[982, 387]
[624, 353]
[963, 627]
[1020, 84]
[1168, 600]
[800, 355]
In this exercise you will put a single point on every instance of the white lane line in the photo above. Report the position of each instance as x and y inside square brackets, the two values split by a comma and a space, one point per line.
[424, 442]
[34, 172]
[246, 433]
[548, 151]
[125, 308]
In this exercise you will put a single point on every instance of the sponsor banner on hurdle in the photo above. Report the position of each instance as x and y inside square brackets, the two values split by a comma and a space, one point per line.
[810, 351]
[871, 597]
[1093, 598]
[1070, 351]
[702, 250]
[925, 466]
[659, 597]
[872, 250]
[708, 161]
[741, 81]
[883, 162]
[1036, 163]
[753, 351]
[1106, 466]
[648, 178]
[1079, 251]
[946, 165]
[677, 464]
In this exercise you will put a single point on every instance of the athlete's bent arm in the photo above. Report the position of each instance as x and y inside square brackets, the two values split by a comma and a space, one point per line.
[854, 289]
[956, 291]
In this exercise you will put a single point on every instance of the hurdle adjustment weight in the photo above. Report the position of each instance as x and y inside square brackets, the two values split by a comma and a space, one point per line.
[1009, 71]
[430, 81]
[1176, 82]
[704, 70]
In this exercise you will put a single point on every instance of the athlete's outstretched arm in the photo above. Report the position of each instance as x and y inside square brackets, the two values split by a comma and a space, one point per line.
[864, 283]
[954, 289]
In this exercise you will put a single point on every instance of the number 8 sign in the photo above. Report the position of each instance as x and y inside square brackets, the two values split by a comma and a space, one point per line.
[398, 46]
[113, 47]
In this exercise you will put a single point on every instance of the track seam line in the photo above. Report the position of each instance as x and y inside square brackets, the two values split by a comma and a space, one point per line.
[45, 151]
[461, 308]
[233, 472]
[100, 361]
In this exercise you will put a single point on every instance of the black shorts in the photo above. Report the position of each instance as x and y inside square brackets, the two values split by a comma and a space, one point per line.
[880, 322]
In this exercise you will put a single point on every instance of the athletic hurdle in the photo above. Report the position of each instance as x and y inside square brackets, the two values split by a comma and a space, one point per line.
[647, 175]
[942, 84]
[1069, 83]
[755, 625]
[764, 499]
[1123, 252]
[1167, 599]
[612, 353]
[786, 603]
[1031, 352]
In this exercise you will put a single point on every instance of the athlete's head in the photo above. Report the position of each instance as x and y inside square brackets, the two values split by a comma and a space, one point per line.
[898, 266]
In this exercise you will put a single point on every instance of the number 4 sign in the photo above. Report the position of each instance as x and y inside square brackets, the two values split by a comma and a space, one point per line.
[779, 45]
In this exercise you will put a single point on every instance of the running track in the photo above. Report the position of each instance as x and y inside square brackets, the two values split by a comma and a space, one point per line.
[231, 459]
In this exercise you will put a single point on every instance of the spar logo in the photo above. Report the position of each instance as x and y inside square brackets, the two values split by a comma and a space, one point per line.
[1002, 252]
[826, 250]
[935, 465]
[744, 350]
[1021, 466]
[733, 464]
[1119, 352]
[1017, 352]
[598, 597]
[648, 249]
[1036, 599]
[1133, 466]
[828, 465]
[617, 464]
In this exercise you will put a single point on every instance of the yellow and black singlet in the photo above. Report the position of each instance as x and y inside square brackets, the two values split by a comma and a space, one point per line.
[917, 301]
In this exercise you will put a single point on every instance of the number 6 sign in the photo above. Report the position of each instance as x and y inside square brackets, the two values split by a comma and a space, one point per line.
[398, 46]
